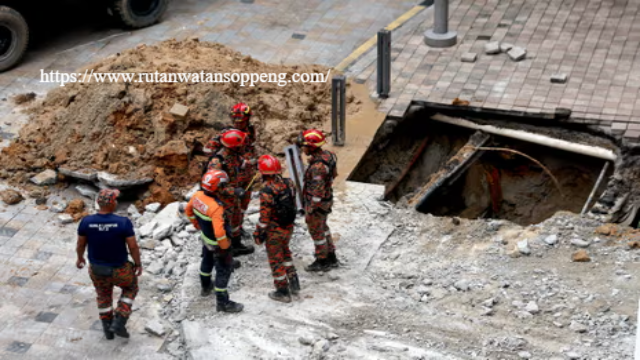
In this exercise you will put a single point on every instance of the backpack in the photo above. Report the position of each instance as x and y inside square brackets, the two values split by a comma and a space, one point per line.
[285, 205]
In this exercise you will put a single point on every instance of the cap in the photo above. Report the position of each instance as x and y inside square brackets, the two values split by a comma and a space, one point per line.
[108, 197]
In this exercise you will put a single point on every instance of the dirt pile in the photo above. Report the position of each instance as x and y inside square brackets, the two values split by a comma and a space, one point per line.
[125, 128]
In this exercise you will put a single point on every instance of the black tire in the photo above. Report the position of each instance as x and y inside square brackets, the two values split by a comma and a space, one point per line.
[14, 38]
[139, 13]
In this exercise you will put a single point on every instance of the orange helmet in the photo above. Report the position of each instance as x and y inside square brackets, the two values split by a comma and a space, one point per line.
[212, 180]
[233, 138]
[241, 112]
[269, 165]
[313, 138]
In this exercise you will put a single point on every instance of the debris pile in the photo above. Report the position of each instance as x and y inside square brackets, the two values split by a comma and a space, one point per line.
[124, 134]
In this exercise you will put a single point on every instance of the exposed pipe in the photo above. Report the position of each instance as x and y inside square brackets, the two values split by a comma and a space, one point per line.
[595, 187]
[588, 150]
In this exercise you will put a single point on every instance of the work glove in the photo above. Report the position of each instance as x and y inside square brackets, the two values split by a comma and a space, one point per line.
[239, 192]
[260, 236]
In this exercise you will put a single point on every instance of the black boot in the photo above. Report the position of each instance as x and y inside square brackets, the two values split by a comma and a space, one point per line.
[281, 295]
[226, 305]
[318, 265]
[239, 249]
[332, 260]
[294, 284]
[118, 326]
[106, 326]
[206, 291]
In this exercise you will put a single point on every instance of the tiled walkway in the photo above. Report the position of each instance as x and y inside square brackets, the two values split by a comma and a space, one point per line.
[595, 42]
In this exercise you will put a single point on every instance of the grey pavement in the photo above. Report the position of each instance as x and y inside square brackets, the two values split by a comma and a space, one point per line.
[277, 31]
[47, 306]
[595, 43]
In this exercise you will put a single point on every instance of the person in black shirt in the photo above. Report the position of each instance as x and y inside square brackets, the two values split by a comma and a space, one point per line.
[107, 236]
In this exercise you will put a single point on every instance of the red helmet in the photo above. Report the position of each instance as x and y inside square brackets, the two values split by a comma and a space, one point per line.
[241, 112]
[212, 180]
[269, 165]
[233, 138]
[313, 138]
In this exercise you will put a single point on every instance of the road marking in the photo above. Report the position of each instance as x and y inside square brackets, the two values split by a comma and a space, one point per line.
[373, 40]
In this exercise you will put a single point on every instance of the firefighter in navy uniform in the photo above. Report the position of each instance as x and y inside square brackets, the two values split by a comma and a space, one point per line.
[230, 160]
[318, 197]
[275, 227]
[206, 213]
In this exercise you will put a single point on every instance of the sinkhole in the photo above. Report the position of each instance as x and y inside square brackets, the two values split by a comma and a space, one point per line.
[432, 163]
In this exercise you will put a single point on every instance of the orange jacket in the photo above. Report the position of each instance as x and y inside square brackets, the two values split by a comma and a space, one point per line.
[207, 215]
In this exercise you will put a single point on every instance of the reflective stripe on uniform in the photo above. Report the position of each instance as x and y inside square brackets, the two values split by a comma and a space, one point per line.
[320, 242]
[205, 274]
[220, 290]
[278, 278]
[316, 199]
[126, 300]
[288, 263]
[191, 217]
[222, 238]
[208, 241]
[105, 310]
[236, 229]
[201, 215]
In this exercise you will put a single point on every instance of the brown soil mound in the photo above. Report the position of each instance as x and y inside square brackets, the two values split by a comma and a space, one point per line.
[125, 129]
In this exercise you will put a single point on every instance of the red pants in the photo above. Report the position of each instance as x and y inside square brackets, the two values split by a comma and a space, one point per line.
[320, 233]
[239, 214]
[279, 255]
[124, 278]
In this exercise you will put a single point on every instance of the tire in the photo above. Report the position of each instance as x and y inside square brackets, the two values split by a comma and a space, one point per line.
[14, 38]
[139, 13]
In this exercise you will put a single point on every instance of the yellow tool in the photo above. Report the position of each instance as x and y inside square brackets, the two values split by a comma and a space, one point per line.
[251, 183]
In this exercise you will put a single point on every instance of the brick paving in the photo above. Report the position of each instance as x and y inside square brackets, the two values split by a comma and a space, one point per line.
[47, 306]
[596, 43]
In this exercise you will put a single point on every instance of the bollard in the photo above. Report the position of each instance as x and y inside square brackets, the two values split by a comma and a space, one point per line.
[440, 36]
[384, 63]
[338, 108]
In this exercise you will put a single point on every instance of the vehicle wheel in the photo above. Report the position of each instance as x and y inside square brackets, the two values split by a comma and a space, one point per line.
[139, 13]
[14, 37]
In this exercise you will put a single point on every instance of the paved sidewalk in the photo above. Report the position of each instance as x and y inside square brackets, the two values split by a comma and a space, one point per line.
[596, 43]
[47, 306]
[289, 31]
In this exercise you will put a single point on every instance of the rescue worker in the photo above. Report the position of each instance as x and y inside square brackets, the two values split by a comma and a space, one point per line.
[241, 119]
[318, 197]
[107, 237]
[206, 213]
[275, 227]
[230, 160]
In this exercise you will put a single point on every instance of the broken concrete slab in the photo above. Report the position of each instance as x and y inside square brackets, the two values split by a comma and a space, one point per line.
[153, 207]
[192, 191]
[179, 111]
[59, 207]
[454, 167]
[83, 174]
[559, 78]
[65, 218]
[517, 53]
[47, 177]
[505, 47]
[469, 57]
[492, 48]
[111, 180]
[87, 191]
[147, 229]
[155, 327]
